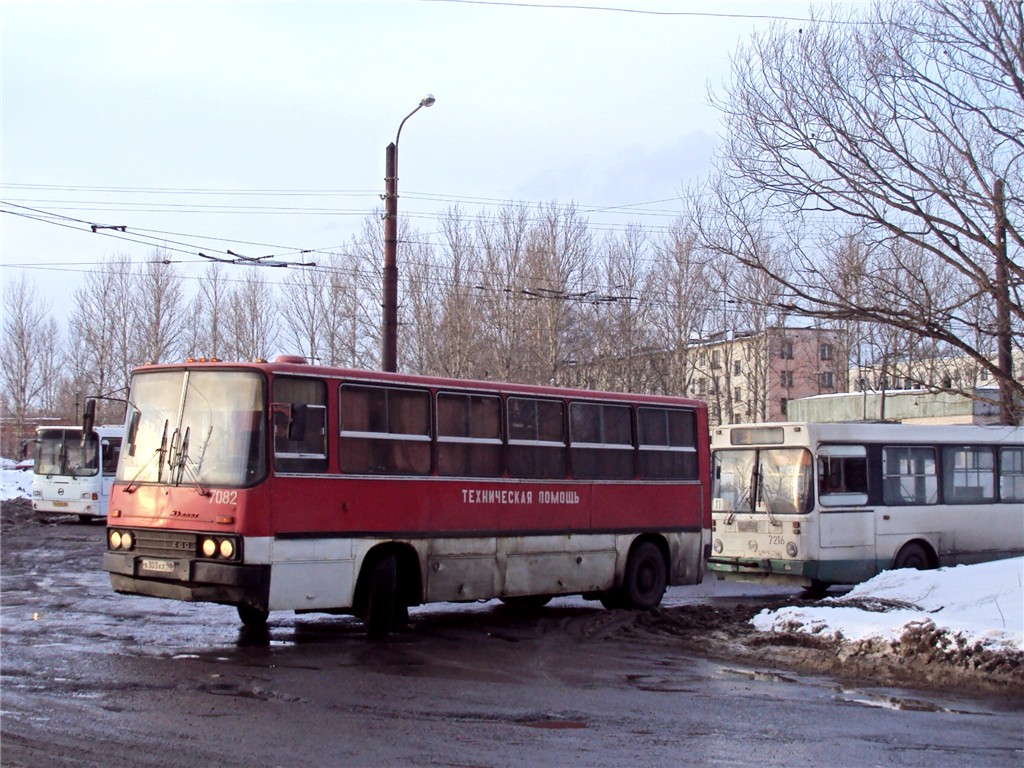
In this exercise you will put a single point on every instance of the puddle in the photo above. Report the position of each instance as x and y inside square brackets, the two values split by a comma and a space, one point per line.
[753, 674]
[555, 725]
[900, 704]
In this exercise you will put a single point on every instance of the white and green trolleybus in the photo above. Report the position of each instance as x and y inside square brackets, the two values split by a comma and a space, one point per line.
[819, 504]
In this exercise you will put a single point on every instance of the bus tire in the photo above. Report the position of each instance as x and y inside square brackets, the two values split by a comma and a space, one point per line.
[252, 617]
[645, 579]
[526, 603]
[381, 596]
[912, 555]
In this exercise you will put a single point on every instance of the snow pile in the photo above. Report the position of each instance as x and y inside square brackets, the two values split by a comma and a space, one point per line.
[978, 605]
[16, 481]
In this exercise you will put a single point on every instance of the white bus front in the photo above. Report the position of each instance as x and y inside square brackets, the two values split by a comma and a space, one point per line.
[73, 476]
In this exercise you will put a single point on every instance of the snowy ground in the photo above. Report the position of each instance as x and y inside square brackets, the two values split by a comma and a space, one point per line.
[953, 610]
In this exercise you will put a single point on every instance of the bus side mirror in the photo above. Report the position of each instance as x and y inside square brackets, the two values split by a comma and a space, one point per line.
[88, 418]
[133, 428]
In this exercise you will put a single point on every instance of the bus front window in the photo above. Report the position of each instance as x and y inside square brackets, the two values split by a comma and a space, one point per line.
[195, 428]
[770, 480]
[63, 452]
[733, 481]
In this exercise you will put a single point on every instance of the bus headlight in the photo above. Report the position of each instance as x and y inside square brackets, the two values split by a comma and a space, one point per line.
[225, 549]
[123, 540]
[791, 549]
[718, 547]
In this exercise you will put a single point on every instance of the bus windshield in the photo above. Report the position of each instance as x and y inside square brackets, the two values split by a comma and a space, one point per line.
[770, 480]
[195, 428]
[62, 452]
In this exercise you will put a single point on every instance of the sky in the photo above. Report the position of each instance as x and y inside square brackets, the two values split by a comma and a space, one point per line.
[981, 603]
[261, 127]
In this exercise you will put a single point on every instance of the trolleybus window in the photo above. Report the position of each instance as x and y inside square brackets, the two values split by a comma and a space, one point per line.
[969, 474]
[1011, 474]
[601, 439]
[469, 435]
[909, 475]
[842, 475]
[536, 438]
[385, 430]
[300, 425]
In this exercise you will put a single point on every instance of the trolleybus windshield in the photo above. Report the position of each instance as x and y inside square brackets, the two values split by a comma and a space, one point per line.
[195, 427]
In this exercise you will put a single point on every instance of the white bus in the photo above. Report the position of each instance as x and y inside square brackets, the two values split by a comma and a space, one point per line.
[73, 476]
[819, 504]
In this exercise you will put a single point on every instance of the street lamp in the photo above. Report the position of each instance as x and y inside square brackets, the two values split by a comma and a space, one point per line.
[389, 353]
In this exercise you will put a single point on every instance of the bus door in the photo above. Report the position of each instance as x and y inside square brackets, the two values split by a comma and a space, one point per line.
[110, 452]
[846, 524]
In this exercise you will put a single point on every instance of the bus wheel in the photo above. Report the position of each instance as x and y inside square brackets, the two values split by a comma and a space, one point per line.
[816, 589]
[381, 597]
[645, 579]
[252, 617]
[912, 555]
[612, 600]
[527, 602]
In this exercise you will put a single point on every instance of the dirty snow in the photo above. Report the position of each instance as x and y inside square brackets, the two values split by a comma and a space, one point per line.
[16, 481]
[981, 604]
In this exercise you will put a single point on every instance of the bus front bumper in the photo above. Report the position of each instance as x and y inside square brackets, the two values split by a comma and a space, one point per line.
[189, 580]
[787, 572]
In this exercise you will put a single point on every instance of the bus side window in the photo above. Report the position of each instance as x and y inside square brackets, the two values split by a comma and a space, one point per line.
[536, 438]
[842, 474]
[300, 425]
[1011, 474]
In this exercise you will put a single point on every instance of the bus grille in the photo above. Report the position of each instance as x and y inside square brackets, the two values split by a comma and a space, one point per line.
[164, 543]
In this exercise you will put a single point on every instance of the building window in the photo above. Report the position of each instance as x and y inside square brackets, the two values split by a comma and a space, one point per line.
[786, 378]
[825, 351]
[786, 349]
[736, 368]
[716, 359]
[737, 394]
[784, 406]
[827, 379]
[702, 386]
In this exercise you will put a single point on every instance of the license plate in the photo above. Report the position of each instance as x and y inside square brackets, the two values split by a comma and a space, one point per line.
[60, 503]
[159, 566]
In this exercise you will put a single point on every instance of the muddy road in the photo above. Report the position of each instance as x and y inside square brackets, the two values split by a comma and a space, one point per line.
[93, 678]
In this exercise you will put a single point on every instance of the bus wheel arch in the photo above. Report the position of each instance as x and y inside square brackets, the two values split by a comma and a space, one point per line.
[646, 574]
[915, 554]
[389, 582]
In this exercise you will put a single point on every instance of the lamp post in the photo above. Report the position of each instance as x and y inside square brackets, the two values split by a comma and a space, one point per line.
[389, 352]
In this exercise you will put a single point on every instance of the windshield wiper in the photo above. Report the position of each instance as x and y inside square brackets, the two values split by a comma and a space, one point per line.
[157, 452]
[181, 465]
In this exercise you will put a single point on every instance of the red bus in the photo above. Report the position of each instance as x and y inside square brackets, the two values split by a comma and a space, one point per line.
[288, 486]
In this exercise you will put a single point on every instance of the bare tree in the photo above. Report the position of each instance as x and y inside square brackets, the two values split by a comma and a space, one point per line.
[253, 317]
[159, 307]
[207, 328]
[26, 323]
[908, 123]
[681, 293]
[620, 320]
[101, 338]
[558, 254]
[502, 243]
